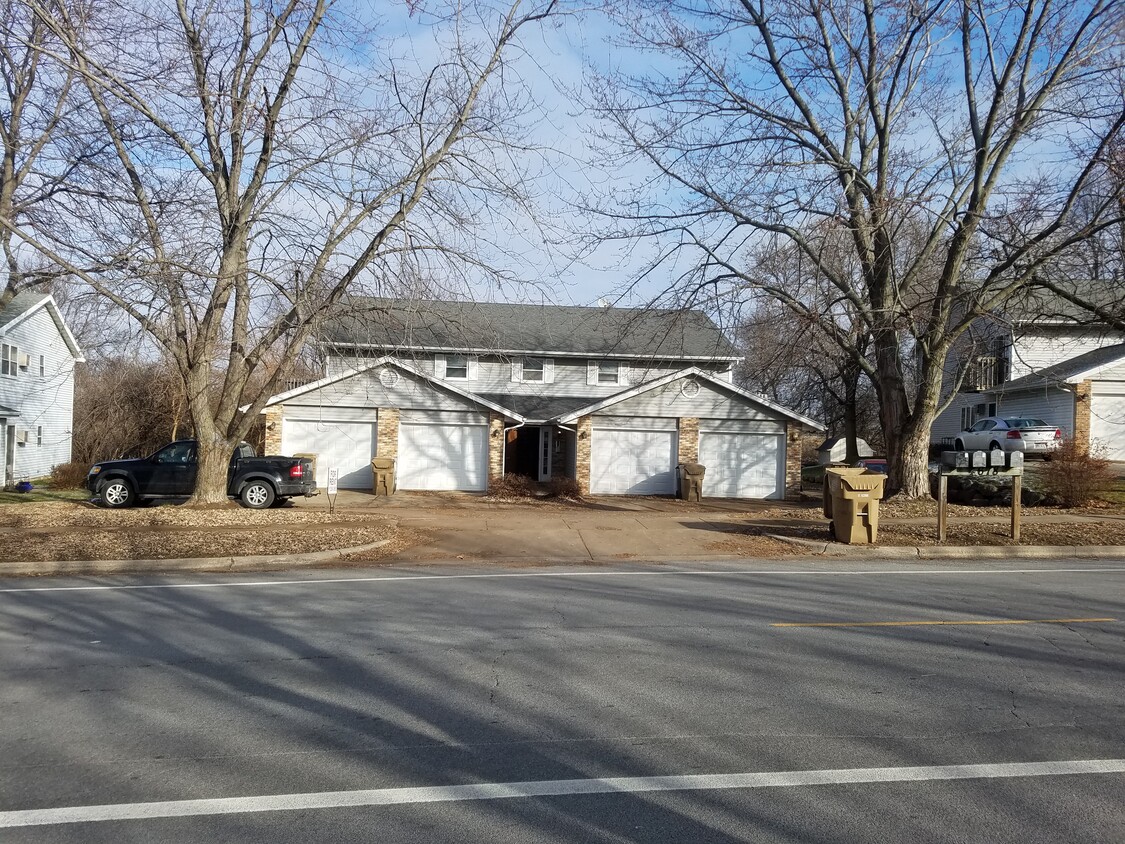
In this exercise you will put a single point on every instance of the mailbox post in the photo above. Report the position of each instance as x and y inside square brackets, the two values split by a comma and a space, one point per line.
[967, 464]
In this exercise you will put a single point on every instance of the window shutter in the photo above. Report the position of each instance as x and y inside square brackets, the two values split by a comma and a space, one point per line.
[548, 371]
[591, 372]
[471, 367]
[624, 376]
[439, 366]
[517, 370]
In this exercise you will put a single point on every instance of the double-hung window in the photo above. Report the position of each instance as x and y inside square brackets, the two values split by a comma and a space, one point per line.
[9, 360]
[457, 367]
[533, 369]
[609, 372]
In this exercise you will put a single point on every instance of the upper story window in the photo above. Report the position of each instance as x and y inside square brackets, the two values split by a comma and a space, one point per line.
[42, 366]
[533, 369]
[9, 360]
[457, 367]
[606, 373]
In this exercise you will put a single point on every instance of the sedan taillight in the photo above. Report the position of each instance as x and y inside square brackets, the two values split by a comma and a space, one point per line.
[297, 471]
[1058, 434]
[1014, 435]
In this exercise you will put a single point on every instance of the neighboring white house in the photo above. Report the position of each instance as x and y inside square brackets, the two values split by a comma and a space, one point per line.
[462, 393]
[1060, 368]
[37, 357]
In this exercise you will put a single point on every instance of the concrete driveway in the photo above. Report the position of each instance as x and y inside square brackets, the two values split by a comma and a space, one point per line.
[462, 526]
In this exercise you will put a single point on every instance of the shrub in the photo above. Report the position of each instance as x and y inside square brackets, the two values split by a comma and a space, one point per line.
[513, 486]
[69, 475]
[566, 488]
[1075, 476]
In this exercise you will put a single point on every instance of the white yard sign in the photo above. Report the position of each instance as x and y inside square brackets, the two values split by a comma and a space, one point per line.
[333, 480]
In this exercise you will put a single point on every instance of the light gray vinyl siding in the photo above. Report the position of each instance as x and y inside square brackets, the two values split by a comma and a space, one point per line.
[1036, 350]
[494, 374]
[740, 426]
[443, 417]
[948, 423]
[366, 390]
[45, 401]
[616, 422]
[334, 413]
[1115, 372]
[710, 402]
[1051, 404]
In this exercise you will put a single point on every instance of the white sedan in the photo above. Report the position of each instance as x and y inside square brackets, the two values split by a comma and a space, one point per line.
[1031, 436]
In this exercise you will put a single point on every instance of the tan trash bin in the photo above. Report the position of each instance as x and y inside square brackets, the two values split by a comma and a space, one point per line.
[851, 500]
[383, 475]
[691, 480]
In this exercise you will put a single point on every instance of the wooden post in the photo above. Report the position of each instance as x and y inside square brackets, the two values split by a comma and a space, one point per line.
[1016, 502]
[943, 489]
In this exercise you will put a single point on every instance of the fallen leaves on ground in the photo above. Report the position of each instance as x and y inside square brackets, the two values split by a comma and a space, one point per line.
[970, 533]
[80, 531]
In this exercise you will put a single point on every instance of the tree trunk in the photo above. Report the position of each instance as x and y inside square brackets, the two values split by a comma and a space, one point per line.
[213, 471]
[851, 390]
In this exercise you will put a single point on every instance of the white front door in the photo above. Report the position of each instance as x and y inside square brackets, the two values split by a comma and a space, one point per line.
[9, 433]
[743, 465]
[442, 456]
[626, 462]
[347, 446]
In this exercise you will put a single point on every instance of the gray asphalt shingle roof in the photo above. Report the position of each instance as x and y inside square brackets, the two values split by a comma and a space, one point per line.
[21, 303]
[539, 408]
[490, 326]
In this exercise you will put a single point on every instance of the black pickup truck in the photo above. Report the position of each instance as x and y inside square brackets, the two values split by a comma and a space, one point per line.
[257, 482]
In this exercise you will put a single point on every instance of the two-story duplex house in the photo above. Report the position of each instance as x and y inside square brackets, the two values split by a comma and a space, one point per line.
[37, 357]
[1049, 360]
[462, 393]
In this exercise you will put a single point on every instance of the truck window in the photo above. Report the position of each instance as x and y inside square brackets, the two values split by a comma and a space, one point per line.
[176, 453]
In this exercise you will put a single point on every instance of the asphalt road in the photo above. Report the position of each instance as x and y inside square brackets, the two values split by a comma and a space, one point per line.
[298, 706]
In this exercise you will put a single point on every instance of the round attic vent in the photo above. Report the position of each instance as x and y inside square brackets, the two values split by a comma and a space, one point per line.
[689, 389]
[388, 377]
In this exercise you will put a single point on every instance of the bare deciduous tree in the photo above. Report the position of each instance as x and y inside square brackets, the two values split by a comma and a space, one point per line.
[974, 125]
[44, 141]
[268, 158]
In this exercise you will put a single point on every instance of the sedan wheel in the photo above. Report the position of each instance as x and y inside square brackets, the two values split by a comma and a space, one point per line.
[257, 495]
[116, 494]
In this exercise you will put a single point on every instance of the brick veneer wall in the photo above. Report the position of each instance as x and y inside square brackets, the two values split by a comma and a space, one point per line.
[792, 462]
[687, 443]
[273, 429]
[495, 447]
[387, 432]
[582, 451]
[1082, 393]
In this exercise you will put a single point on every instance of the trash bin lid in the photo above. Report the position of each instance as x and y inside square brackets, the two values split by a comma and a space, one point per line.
[863, 482]
[693, 468]
[382, 463]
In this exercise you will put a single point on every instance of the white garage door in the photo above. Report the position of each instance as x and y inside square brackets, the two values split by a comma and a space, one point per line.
[632, 462]
[347, 446]
[1107, 424]
[742, 465]
[442, 457]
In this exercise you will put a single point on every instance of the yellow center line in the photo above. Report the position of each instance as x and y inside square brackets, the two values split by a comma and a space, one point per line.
[938, 623]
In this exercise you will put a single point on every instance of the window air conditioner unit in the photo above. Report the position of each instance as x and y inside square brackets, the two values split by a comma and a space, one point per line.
[25, 361]
[21, 437]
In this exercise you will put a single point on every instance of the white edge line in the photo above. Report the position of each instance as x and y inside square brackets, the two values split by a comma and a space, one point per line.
[546, 788]
[593, 574]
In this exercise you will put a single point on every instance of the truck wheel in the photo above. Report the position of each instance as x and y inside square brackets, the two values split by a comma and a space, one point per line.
[257, 495]
[116, 493]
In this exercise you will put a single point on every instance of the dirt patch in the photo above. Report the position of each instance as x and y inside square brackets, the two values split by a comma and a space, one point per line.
[751, 544]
